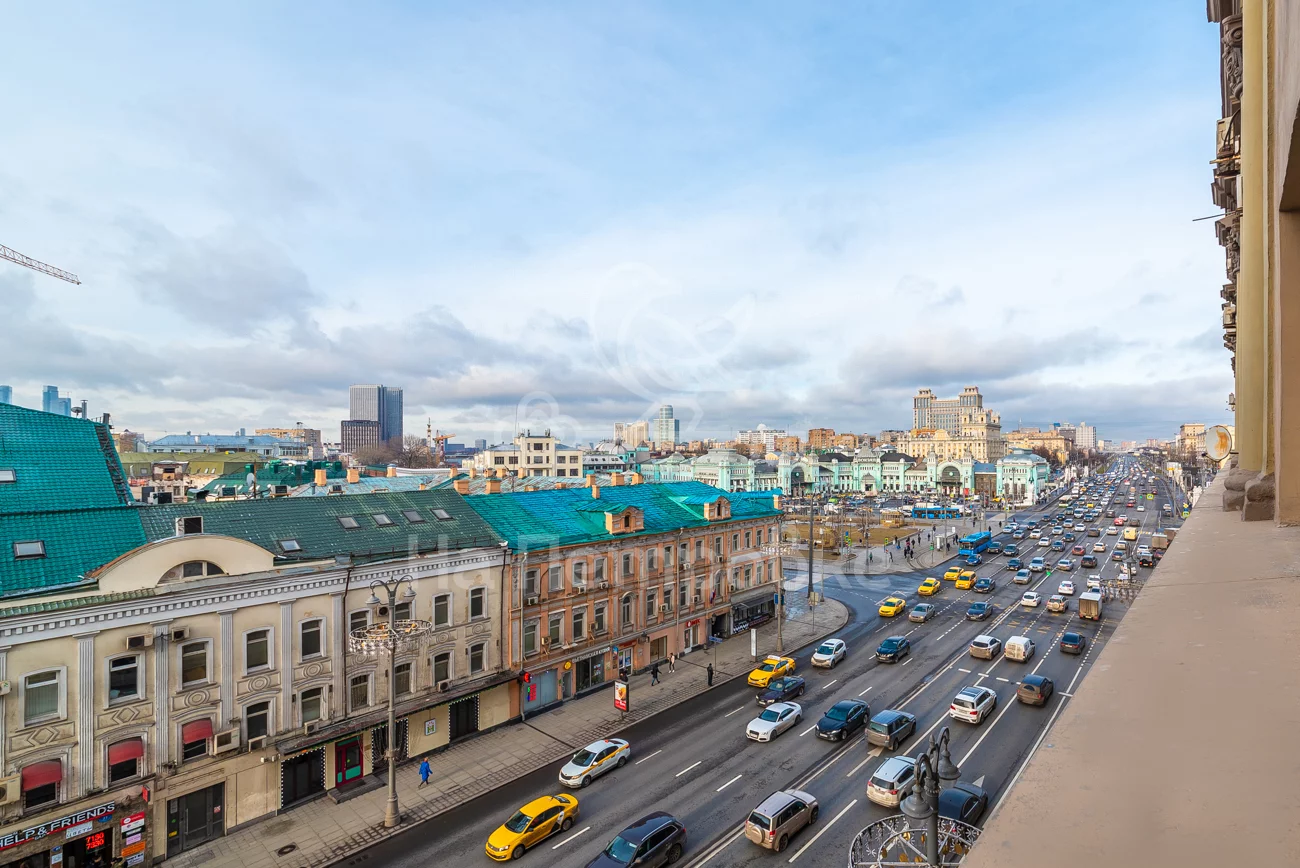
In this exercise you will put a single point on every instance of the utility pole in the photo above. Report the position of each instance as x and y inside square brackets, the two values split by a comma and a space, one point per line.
[811, 509]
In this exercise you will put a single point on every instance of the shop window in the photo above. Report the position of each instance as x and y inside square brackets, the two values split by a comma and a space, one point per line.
[257, 720]
[402, 679]
[124, 760]
[310, 704]
[478, 603]
[42, 696]
[257, 650]
[309, 639]
[123, 678]
[477, 658]
[194, 663]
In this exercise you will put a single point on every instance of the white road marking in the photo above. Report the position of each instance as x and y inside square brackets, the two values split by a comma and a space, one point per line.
[722, 845]
[871, 754]
[823, 831]
[864, 693]
[652, 756]
[1070, 690]
[979, 781]
[687, 769]
[967, 671]
[829, 683]
[1004, 680]
[728, 783]
[571, 837]
[1033, 750]
[1071, 695]
[908, 660]
[808, 730]
[737, 711]
[986, 732]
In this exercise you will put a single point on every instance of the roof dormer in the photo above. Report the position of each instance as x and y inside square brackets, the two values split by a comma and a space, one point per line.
[624, 519]
[717, 510]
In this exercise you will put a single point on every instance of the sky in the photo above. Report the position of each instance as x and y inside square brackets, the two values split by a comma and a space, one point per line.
[562, 215]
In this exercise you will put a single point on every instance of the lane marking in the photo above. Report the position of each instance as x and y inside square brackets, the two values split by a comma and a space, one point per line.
[960, 669]
[872, 754]
[1071, 695]
[728, 783]
[688, 768]
[571, 837]
[987, 730]
[652, 756]
[722, 845]
[864, 693]
[737, 711]
[823, 831]
[1033, 750]
[1004, 680]
[808, 730]
[829, 683]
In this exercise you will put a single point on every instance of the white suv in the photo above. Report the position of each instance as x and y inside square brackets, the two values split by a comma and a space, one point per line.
[973, 704]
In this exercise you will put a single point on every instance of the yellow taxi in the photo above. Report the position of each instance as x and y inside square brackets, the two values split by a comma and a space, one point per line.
[892, 606]
[952, 574]
[770, 668]
[1130, 533]
[930, 587]
[531, 824]
[965, 580]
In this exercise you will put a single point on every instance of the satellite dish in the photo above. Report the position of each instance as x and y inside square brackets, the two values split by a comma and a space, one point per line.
[1218, 442]
[250, 479]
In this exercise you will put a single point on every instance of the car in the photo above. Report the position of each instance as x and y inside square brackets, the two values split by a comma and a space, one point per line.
[974, 561]
[1078, 550]
[1066, 587]
[1056, 603]
[1117, 555]
[1146, 559]
[1079, 528]
[654, 840]
[1058, 546]
[892, 781]
[773, 823]
[829, 653]
[893, 649]
[1044, 543]
[1094, 531]
[1035, 533]
[1094, 583]
[1119, 520]
[1031, 599]
[952, 573]
[1065, 564]
[973, 704]
[1088, 561]
[1144, 549]
[843, 719]
[775, 719]
[965, 580]
[1099, 547]
[1037, 565]
[963, 802]
[1141, 508]
[892, 606]
[995, 548]
[978, 611]
[530, 825]
[1112, 531]
[1023, 577]
[889, 728]
[930, 587]
[781, 689]
[1035, 689]
[1057, 530]
[594, 760]
[922, 612]
[1013, 563]
[984, 586]
[1068, 538]
[771, 667]
[1073, 643]
[987, 647]
[1011, 549]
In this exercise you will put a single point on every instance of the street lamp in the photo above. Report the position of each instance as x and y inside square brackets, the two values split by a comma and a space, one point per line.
[934, 770]
[380, 638]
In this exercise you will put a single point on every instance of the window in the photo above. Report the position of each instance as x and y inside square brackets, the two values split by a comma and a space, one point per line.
[413, 516]
[555, 578]
[668, 599]
[358, 692]
[442, 515]
[194, 739]
[257, 650]
[442, 610]
[749, 539]
[42, 693]
[627, 610]
[717, 546]
[598, 620]
[124, 760]
[748, 576]
[498, 460]
[7, 474]
[442, 667]
[309, 639]
[289, 546]
[189, 524]
[651, 559]
[683, 594]
[530, 637]
[381, 520]
[347, 522]
[477, 658]
[123, 678]
[358, 620]
[402, 679]
[477, 603]
[668, 557]
[650, 604]
[49, 774]
[402, 611]
[257, 720]
[735, 542]
[555, 629]
[683, 557]
[194, 663]
[598, 570]
[579, 623]
[579, 573]
[627, 566]
[311, 704]
[25, 549]
[769, 534]
[699, 549]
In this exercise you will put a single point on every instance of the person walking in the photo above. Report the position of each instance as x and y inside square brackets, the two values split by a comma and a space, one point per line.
[672, 662]
[654, 674]
[425, 771]
[709, 673]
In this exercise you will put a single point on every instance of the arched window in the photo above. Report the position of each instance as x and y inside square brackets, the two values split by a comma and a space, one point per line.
[192, 570]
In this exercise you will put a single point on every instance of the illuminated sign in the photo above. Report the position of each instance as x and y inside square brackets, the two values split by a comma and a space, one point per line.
[32, 833]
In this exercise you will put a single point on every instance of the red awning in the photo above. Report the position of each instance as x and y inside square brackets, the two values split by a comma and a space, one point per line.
[124, 751]
[40, 774]
[196, 730]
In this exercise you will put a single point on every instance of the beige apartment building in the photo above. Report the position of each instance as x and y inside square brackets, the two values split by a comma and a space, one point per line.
[979, 435]
[529, 455]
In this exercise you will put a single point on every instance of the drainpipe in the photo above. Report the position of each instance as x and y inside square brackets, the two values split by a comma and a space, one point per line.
[504, 642]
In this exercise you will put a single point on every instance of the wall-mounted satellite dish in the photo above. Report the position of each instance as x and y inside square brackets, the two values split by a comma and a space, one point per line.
[1218, 442]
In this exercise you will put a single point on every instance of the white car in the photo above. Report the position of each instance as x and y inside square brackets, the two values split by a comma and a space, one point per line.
[1031, 599]
[1058, 530]
[1094, 583]
[775, 719]
[1098, 547]
[1080, 528]
[1066, 588]
[1142, 509]
[1044, 542]
[1035, 534]
[595, 760]
[1112, 531]
[829, 653]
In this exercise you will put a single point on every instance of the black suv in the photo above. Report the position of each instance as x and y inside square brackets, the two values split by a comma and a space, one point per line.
[781, 689]
[654, 840]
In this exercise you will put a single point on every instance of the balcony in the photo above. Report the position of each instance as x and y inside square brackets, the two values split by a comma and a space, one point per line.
[1132, 771]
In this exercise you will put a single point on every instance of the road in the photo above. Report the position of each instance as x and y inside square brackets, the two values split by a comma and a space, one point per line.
[695, 761]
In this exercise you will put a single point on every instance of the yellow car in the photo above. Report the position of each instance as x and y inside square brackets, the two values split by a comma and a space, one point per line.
[930, 587]
[965, 580]
[952, 574]
[530, 825]
[770, 668]
[892, 606]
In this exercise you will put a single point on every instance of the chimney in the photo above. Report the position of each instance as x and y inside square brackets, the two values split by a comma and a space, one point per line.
[354, 474]
[501, 473]
[616, 479]
[776, 501]
[473, 473]
[530, 488]
[591, 480]
[493, 486]
[461, 486]
[637, 479]
[423, 486]
[392, 471]
[321, 477]
[595, 489]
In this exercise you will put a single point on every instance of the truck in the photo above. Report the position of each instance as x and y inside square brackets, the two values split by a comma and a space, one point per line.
[1159, 541]
[1090, 606]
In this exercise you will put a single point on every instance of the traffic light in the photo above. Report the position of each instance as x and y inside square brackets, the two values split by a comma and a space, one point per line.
[526, 677]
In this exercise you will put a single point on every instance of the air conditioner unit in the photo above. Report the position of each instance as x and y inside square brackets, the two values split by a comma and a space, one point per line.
[181, 634]
[256, 743]
[144, 641]
[604, 586]
[443, 685]
[733, 588]
[532, 601]
[224, 742]
[5, 687]
[310, 727]
[279, 491]
[11, 789]
[579, 589]
[698, 598]
[545, 641]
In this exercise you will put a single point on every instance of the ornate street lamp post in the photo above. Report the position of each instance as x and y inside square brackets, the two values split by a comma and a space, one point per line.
[386, 638]
[934, 769]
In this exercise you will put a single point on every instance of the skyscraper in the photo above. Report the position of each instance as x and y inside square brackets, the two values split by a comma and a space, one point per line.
[374, 403]
[52, 403]
[667, 429]
[6, 395]
[946, 413]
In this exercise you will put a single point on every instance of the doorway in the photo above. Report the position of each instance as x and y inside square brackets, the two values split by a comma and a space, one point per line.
[302, 777]
[462, 718]
[625, 658]
[347, 761]
[195, 819]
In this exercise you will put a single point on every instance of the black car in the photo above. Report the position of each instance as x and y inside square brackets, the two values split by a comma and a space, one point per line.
[654, 840]
[781, 689]
[1014, 563]
[1073, 643]
[978, 611]
[893, 649]
[1058, 545]
[984, 586]
[995, 547]
[843, 719]
[1011, 549]
[1146, 560]
[1088, 561]
[964, 802]
[1117, 555]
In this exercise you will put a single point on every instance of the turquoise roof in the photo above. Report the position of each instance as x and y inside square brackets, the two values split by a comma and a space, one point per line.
[59, 462]
[76, 541]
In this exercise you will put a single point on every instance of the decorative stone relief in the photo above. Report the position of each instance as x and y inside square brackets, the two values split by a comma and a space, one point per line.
[123, 714]
[1230, 42]
[257, 683]
[194, 698]
[313, 669]
[42, 736]
[481, 627]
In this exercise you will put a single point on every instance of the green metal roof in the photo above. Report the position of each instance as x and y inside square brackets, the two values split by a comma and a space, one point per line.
[292, 475]
[200, 463]
[537, 519]
[75, 602]
[59, 462]
[76, 541]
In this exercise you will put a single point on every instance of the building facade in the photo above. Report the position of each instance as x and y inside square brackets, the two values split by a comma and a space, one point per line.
[820, 438]
[945, 413]
[667, 428]
[1022, 477]
[529, 455]
[266, 447]
[52, 403]
[356, 434]
[377, 403]
[632, 434]
[762, 436]
[311, 437]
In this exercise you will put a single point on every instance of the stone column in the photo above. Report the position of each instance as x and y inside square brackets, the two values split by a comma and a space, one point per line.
[162, 692]
[85, 780]
[226, 662]
[286, 666]
[1286, 347]
[4, 733]
[339, 650]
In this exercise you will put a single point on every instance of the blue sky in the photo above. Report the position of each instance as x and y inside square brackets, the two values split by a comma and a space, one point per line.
[568, 213]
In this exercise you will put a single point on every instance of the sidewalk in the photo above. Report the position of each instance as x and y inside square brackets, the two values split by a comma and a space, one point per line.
[321, 832]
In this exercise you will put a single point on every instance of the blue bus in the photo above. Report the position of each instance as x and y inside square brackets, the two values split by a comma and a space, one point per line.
[932, 511]
[975, 543]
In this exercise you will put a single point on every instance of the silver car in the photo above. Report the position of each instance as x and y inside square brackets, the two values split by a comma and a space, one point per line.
[775, 719]
[829, 653]
[782, 814]
[892, 781]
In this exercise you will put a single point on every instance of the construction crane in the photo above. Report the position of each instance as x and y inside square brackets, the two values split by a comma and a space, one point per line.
[438, 442]
[36, 265]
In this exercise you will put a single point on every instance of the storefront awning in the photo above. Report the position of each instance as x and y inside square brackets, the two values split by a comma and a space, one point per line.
[196, 730]
[41, 774]
[125, 751]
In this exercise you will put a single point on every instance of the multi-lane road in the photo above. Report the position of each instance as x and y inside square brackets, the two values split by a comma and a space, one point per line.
[695, 762]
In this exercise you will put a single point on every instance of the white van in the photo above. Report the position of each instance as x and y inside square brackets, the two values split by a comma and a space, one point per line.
[1019, 648]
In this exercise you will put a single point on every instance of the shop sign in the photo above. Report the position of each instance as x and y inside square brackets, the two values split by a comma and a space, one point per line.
[78, 830]
[694, 623]
[137, 859]
[132, 849]
[32, 833]
[133, 822]
[133, 839]
[431, 726]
